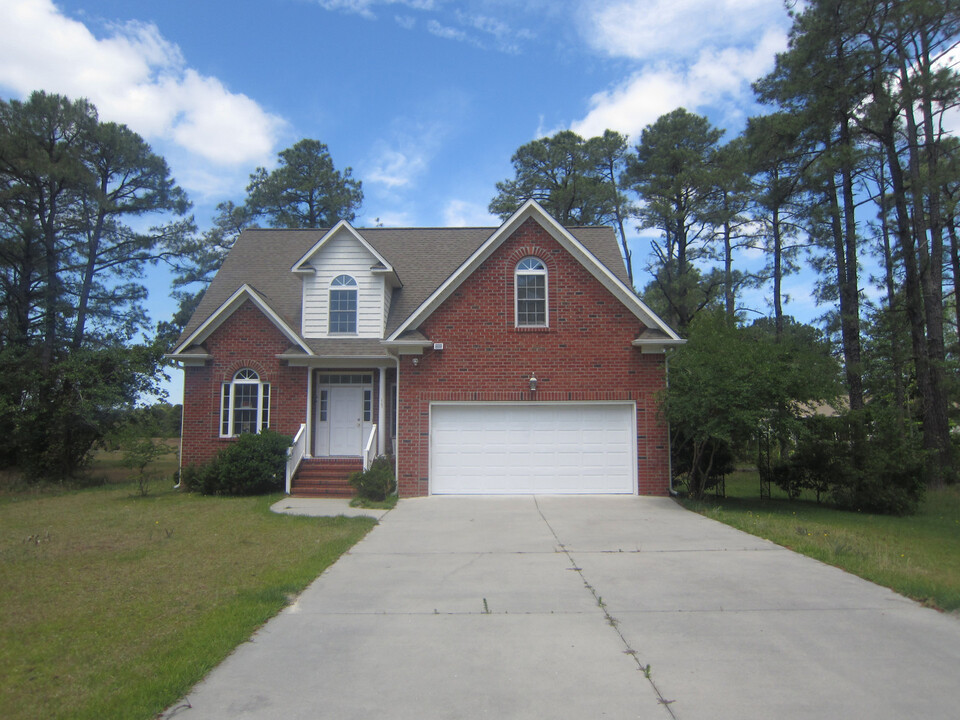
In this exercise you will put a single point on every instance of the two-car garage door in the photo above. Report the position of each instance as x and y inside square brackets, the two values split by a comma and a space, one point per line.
[498, 448]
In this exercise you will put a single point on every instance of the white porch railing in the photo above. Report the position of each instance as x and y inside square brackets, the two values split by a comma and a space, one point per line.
[370, 449]
[295, 454]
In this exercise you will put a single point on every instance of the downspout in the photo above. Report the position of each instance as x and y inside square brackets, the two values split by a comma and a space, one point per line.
[183, 408]
[666, 371]
[396, 424]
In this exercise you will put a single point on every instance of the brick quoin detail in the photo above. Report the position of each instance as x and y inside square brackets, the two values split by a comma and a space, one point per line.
[246, 339]
[585, 355]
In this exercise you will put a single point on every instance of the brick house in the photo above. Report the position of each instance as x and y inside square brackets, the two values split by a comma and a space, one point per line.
[514, 359]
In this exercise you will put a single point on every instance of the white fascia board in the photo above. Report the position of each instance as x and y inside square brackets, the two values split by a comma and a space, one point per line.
[302, 265]
[242, 294]
[657, 346]
[529, 209]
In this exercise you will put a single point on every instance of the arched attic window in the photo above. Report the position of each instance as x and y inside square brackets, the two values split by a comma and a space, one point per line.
[343, 305]
[245, 405]
[530, 288]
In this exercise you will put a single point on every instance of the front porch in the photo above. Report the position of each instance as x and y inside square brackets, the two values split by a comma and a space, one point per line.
[350, 420]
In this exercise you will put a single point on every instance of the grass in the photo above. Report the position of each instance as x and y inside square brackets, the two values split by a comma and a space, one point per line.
[388, 503]
[917, 556]
[115, 605]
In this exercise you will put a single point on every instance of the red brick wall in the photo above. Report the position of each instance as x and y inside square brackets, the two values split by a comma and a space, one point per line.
[584, 355]
[245, 339]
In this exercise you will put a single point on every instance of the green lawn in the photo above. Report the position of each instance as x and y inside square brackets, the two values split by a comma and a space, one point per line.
[918, 555]
[115, 605]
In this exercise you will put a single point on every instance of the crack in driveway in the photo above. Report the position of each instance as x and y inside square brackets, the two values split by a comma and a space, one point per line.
[611, 620]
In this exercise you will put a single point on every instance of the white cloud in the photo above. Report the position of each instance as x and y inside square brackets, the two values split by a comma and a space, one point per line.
[445, 31]
[365, 8]
[394, 168]
[653, 29]
[720, 76]
[134, 76]
[462, 213]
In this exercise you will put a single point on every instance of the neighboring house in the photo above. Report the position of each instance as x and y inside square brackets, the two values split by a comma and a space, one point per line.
[514, 359]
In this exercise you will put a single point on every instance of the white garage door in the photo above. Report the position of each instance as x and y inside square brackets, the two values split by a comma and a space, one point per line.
[492, 448]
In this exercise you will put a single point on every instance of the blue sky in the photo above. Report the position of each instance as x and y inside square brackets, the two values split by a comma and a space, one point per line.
[425, 99]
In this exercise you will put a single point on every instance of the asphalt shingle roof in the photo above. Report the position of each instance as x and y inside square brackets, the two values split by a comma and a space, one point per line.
[422, 258]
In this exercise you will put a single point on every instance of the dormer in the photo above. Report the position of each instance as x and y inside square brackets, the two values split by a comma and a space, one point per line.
[347, 286]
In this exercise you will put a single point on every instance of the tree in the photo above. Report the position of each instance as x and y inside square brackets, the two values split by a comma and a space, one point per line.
[305, 190]
[727, 384]
[777, 161]
[70, 303]
[671, 172]
[577, 181]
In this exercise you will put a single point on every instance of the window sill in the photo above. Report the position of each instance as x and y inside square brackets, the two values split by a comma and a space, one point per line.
[532, 328]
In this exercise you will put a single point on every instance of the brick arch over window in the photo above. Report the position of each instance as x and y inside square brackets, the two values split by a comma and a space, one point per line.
[531, 250]
[255, 365]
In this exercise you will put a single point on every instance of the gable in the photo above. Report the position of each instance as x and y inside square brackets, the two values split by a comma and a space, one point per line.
[341, 255]
[242, 298]
[581, 312]
[531, 211]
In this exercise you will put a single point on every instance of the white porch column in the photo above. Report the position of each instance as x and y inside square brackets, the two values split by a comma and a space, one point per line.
[382, 414]
[309, 420]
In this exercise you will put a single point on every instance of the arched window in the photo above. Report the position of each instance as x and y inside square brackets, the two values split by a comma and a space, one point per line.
[245, 405]
[343, 305]
[531, 293]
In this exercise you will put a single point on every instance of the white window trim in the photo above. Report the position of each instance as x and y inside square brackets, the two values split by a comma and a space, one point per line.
[517, 272]
[228, 393]
[355, 287]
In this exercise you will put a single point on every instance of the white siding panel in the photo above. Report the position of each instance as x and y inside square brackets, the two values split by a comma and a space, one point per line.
[343, 255]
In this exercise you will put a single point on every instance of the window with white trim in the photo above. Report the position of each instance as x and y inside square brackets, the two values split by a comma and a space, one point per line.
[530, 287]
[343, 305]
[245, 404]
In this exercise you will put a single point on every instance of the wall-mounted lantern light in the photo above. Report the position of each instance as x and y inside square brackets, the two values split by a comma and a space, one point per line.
[533, 382]
[416, 361]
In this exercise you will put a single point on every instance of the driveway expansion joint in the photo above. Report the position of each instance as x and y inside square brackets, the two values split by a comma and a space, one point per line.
[611, 620]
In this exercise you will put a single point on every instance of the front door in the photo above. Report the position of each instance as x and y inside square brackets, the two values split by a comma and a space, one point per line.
[346, 420]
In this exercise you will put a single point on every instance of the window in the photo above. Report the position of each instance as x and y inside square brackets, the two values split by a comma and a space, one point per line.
[343, 305]
[531, 293]
[245, 404]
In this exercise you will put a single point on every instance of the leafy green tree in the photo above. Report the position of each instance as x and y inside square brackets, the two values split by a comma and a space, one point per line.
[672, 174]
[727, 384]
[70, 300]
[305, 190]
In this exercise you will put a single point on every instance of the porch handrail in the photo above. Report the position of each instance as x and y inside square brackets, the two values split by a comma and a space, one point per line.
[370, 449]
[295, 454]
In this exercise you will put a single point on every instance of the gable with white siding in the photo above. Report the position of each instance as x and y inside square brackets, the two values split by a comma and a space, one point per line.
[343, 255]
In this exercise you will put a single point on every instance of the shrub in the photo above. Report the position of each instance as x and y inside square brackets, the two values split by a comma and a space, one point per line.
[865, 462]
[253, 465]
[377, 481]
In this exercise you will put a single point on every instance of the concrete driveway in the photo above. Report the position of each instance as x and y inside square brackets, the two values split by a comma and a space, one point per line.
[584, 607]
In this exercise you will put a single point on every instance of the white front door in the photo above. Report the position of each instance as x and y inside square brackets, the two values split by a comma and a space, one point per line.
[346, 420]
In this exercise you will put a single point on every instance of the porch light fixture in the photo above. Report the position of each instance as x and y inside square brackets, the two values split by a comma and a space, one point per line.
[533, 382]
[416, 361]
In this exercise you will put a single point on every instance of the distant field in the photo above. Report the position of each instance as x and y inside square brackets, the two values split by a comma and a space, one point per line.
[917, 556]
[115, 605]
